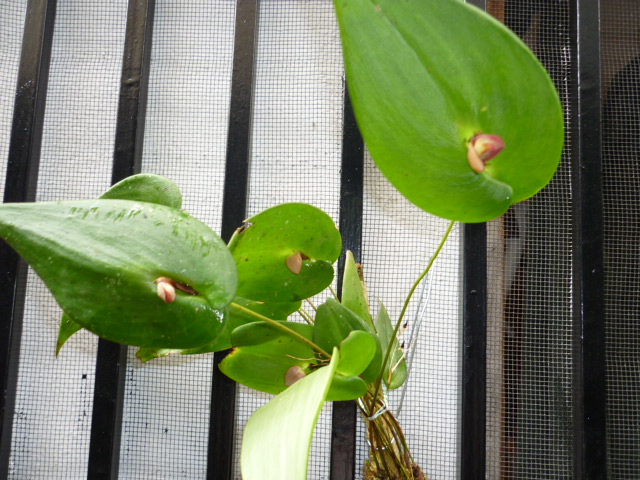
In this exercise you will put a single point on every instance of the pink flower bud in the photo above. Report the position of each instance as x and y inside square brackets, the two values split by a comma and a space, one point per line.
[482, 148]
[294, 262]
[166, 290]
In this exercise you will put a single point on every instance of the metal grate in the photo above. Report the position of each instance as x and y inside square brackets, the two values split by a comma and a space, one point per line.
[285, 136]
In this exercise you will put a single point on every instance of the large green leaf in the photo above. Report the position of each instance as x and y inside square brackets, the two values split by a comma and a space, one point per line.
[100, 259]
[143, 187]
[263, 355]
[426, 76]
[277, 437]
[285, 253]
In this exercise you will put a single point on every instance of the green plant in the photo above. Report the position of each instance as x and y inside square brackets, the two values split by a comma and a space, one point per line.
[439, 89]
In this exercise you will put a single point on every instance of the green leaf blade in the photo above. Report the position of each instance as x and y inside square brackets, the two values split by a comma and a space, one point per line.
[356, 353]
[67, 329]
[100, 259]
[354, 294]
[146, 187]
[262, 355]
[395, 372]
[277, 437]
[262, 248]
[346, 388]
[334, 322]
[425, 76]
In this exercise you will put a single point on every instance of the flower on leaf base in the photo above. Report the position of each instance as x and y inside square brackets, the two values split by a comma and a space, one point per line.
[482, 148]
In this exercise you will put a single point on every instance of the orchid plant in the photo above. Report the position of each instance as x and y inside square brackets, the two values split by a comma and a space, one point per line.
[459, 116]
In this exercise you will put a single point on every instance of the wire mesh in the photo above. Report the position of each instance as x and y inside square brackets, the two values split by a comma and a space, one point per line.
[55, 395]
[529, 425]
[621, 188]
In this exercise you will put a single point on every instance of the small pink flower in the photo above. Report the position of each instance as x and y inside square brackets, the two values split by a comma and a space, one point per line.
[482, 148]
[166, 290]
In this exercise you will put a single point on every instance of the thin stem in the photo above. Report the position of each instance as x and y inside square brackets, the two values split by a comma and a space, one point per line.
[305, 316]
[281, 327]
[406, 305]
[312, 305]
[333, 292]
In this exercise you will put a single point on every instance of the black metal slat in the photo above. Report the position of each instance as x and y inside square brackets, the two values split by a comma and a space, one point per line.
[343, 428]
[220, 452]
[589, 405]
[108, 401]
[473, 416]
[20, 186]
[474, 353]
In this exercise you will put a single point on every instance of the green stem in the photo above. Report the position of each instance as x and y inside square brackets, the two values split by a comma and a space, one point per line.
[305, 316]
[315, 309]
[281, 327]
[406, 306]
[333, 292]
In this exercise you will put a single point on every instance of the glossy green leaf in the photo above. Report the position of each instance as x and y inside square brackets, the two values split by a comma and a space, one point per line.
[277, 438]
[234, 319]
[67, 328]
[334, 322]
[354, 293]
[262, 248]
[356, 353]
[146, 187]
[100, 259]
[263, 355]
[346, 388]
[395, 372]
[425, 76]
